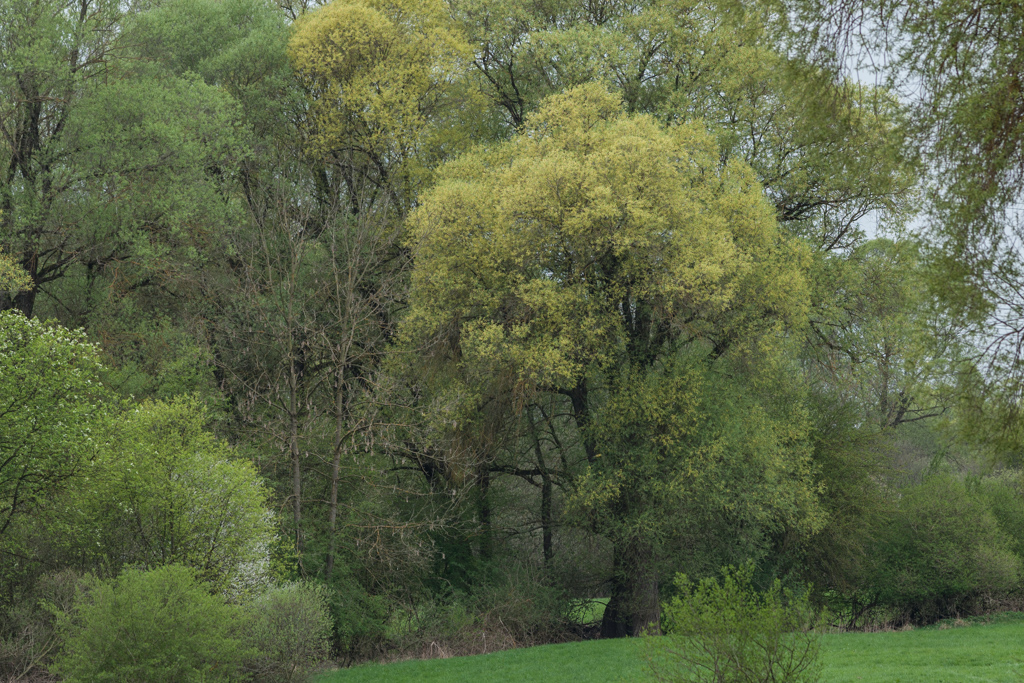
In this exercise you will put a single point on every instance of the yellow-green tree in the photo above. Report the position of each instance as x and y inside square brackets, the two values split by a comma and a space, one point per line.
[619, 265]
[828, 154]
[380, 78]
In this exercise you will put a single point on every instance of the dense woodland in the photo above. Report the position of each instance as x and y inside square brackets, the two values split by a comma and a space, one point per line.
[452, 315]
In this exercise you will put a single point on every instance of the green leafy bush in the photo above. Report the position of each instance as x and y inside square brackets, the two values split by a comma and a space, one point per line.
[359, 619]
[512, 606]
[164, 490]
[1004, 493]
[158, 626]
[289, 628]
[942, 552]
[729, 632]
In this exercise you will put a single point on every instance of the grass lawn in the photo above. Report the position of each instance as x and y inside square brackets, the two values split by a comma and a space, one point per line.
[980, 652]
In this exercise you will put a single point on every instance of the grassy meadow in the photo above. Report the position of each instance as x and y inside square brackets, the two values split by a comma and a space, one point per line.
[989, 650]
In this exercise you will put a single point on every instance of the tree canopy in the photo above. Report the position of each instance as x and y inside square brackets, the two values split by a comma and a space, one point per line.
[51, 402]
[582, 258]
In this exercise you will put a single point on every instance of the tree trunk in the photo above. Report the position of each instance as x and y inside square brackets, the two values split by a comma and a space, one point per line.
[339, 435]
[545, 517]
[545, 493]
[484, 513]
[633, 608]
[581, 414]
[296, 458]
[25, 300]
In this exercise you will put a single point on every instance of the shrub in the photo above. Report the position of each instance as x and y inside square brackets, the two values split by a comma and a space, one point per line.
[728, 632]
[942, 552]
[289, 628]
[359, 619]
[1004, 493]
[158, 626]
[516, 608]
[511, 606]
[166, 491]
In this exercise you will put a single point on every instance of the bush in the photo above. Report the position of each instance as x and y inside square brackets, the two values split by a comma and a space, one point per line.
[942, 553]
[289, 628]
[166, 491]
[514, 608]
[728, 632]
[359, 619]
[158, 626]
[1004, 493]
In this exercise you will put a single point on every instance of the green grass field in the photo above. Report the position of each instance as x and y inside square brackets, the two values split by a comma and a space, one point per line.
[992, 651]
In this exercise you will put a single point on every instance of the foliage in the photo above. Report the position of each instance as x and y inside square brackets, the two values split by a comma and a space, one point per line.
[532, 244]
[578, 260]
[50, 52]
[729, 631]
[513, 609]
[720, 62]
[684, 440]
[160, 626]
[164, 491]
[583, 284]
[358, 618]
[941, 552]
[12, 277]
[882, 344]
[1004, 494]
[379, 76]
[288, 628]
[237, 45]
[51, 403]
[849, 461]
[112, 167]
[686, 451]
[958, 64]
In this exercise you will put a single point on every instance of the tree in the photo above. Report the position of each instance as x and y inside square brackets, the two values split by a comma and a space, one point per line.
[828, 154]
[580, 259]
[960, 64]
[303, 326]
[885, 348]
[109, 165]
[380, 79]
[51, 53]
[51, 405]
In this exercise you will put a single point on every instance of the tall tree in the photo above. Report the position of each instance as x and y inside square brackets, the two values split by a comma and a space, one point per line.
[110, 166]
[828, 154]
[580, 259]
[381, 80]
[960, 65]
[52, 55]
[886, 348]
